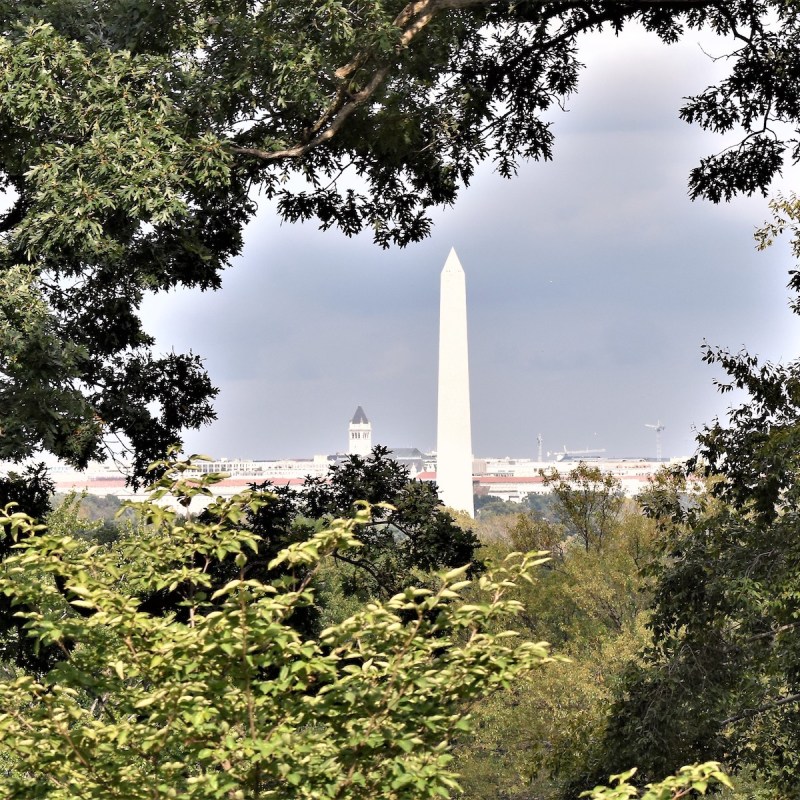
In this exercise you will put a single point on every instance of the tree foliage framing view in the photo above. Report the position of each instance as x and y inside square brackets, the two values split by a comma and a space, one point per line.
[135, 135]
[223, 697]
[134, 138]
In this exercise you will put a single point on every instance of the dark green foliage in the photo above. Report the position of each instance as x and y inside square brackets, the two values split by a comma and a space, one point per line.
[416, 535]
[541, 504]
[488, 506]
[722, 679]
[757, 451]
[400, 546]
[97, 507]
[31, 490]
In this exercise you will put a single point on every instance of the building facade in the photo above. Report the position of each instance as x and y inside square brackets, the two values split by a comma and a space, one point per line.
[360, 433]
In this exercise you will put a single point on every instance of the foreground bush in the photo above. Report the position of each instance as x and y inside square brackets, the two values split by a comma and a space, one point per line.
[222, 697]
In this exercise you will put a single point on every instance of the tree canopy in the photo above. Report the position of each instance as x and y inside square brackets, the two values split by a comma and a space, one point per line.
[410, 534]
[136, 137]
[228, 699]
[721, 676]
[408, 538]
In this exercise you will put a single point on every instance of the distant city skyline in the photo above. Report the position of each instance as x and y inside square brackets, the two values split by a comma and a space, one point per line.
[593, 281]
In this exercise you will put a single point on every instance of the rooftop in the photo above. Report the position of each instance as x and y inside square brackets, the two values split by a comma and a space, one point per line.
[359, 418]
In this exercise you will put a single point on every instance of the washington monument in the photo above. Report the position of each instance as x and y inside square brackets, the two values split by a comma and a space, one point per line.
[454, 435]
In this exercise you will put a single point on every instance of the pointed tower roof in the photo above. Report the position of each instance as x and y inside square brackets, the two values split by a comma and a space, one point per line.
[452, 264]
[359, 418]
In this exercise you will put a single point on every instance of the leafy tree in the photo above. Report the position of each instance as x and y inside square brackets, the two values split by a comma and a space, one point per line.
[409, 537]
[541, 504]
[17, 650]
[721, 679]
[687, 782]
[532, 532]
[488, 506]
[529, 740]
[588, 501]
[134, 136]
[535, 739]
[32, 490]
[402, 545]
[95, 507]
[231, 701]
[98, 518]
[410, 533]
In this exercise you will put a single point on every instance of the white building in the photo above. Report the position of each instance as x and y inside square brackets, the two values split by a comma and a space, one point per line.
[360, 434]
[454, 427]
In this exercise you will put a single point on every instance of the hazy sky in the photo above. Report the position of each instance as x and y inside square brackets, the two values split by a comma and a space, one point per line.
[592, 282]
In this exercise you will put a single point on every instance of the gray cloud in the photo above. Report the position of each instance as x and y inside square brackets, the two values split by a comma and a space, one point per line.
[592, 282]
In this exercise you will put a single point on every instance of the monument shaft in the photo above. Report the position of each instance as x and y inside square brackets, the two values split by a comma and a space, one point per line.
[454, 445]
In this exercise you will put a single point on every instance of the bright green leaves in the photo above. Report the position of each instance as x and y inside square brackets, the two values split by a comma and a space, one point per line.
[223, 696]
[112, 188]
[690, 781]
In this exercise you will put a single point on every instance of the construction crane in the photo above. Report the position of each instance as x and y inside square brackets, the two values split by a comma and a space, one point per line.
[658, 427]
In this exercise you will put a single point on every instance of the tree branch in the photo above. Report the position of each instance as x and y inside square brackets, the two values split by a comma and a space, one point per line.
[773, 633]
[752, 712]
[411, 21]
[365, 565]
[337, 117]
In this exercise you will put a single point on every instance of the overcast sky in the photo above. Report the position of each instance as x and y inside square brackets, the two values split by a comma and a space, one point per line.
[592, 282]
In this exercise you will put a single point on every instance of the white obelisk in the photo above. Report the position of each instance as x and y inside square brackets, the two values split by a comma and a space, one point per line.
[454, 445]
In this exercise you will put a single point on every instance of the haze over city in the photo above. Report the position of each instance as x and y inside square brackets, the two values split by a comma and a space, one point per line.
[592, 282]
